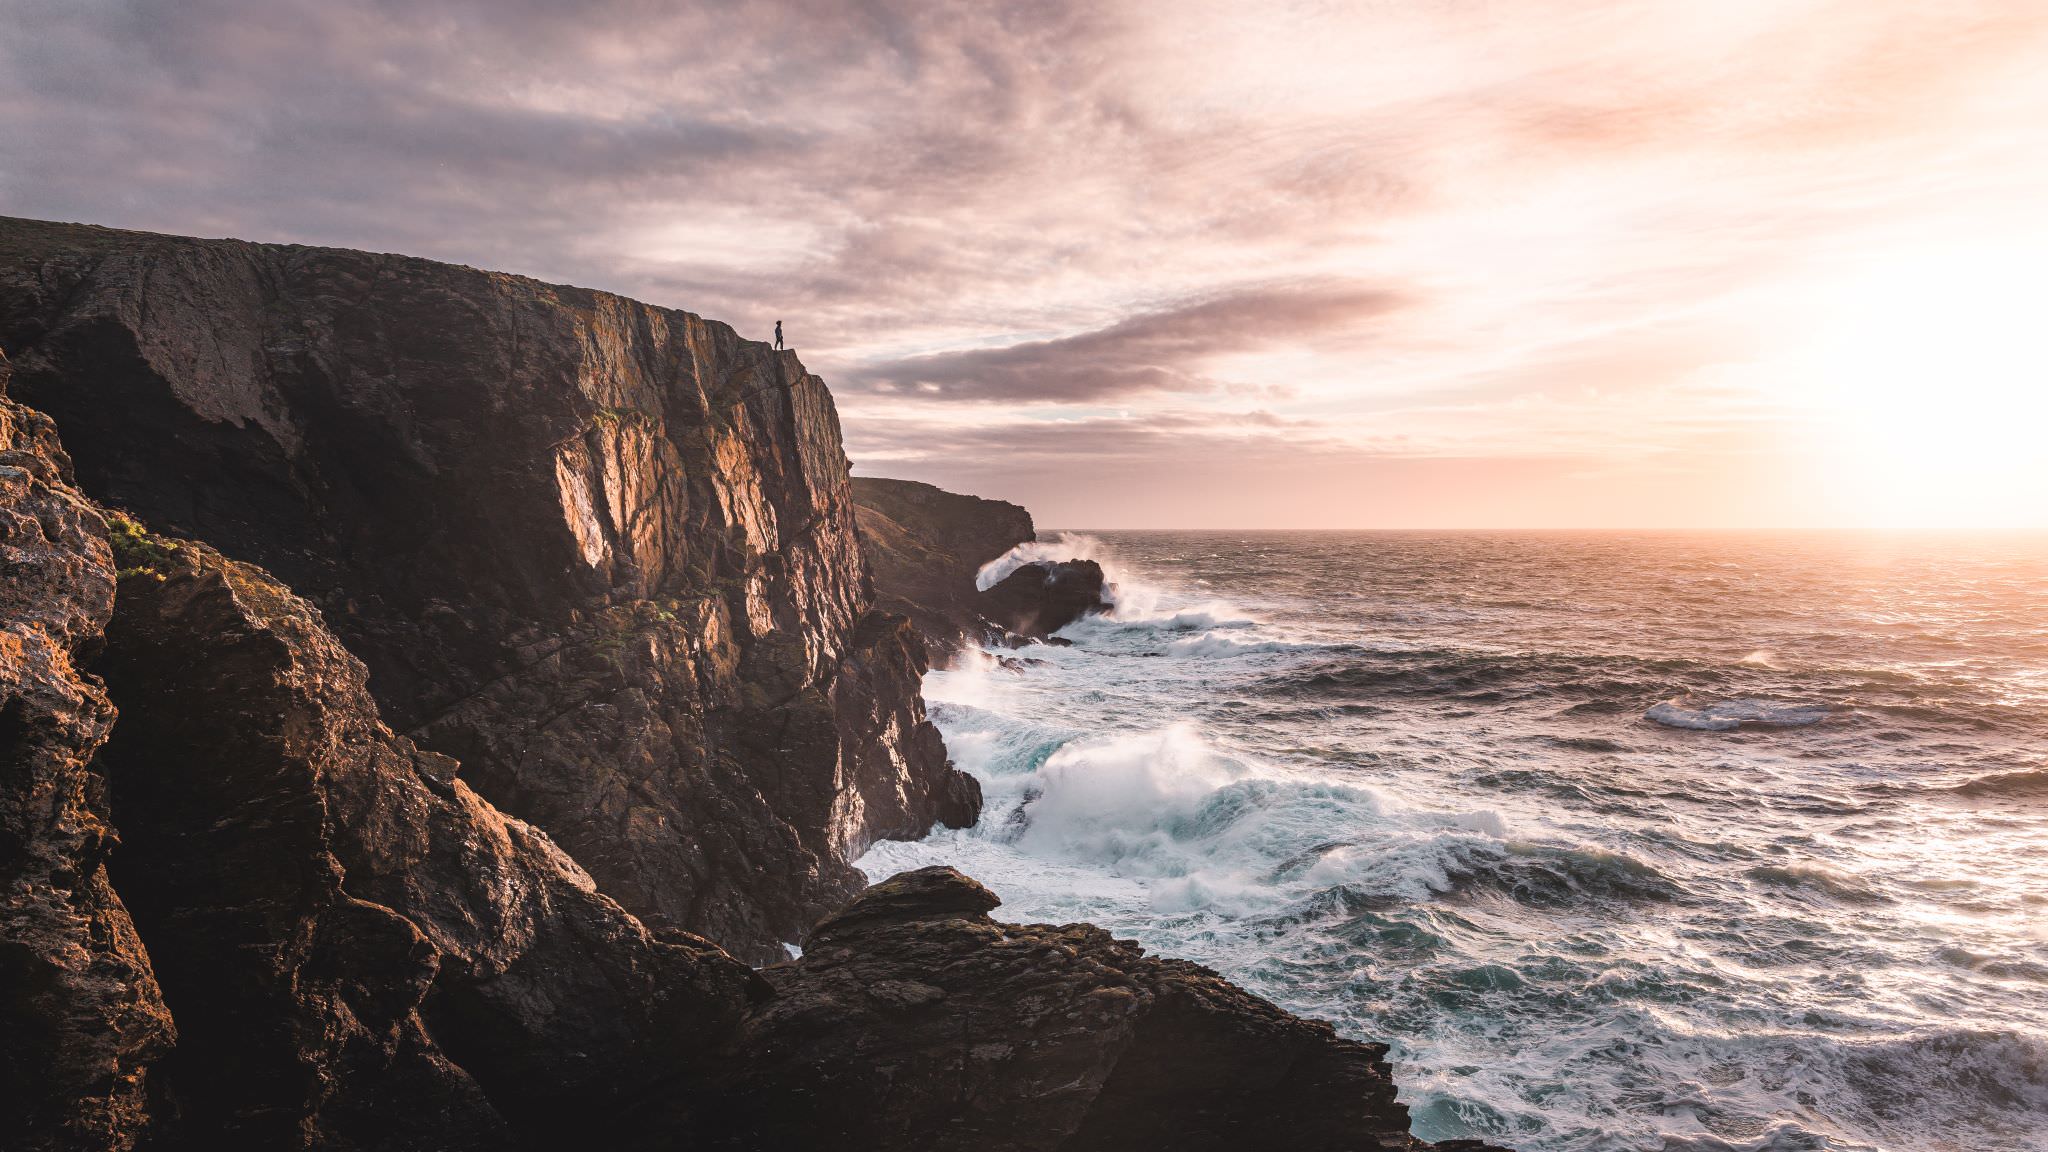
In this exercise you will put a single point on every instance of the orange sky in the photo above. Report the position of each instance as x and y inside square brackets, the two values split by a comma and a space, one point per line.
[1550, 263]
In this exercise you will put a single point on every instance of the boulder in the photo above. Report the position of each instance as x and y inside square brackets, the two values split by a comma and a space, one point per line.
[915, 1020]
[1037, 600]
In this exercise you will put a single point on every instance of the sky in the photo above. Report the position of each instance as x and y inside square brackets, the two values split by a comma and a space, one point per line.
[1390, 263]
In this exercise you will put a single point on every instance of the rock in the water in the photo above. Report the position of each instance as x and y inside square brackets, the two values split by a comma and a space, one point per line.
[914, 1020]
[601, 552]
[1037, 600]
[81, 1017]
[359, 951]
[926, 545]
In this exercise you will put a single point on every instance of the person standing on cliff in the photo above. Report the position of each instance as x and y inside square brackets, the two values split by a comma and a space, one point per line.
[778, 335]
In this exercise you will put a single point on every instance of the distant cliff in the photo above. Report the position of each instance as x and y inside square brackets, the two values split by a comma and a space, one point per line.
[926, 544]
[601, 552]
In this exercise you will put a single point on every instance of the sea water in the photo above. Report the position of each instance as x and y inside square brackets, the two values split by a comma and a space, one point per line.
[1621, 841]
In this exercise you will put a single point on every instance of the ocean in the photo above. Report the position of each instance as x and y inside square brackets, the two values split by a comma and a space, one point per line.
[1622, 841]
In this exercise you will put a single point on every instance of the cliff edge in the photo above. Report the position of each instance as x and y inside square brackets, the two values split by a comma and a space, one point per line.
[603, 553]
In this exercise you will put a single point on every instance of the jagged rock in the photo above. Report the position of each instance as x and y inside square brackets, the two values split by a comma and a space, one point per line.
[914, 1020]
[1036, 600]
[603, 553]
[926, 545]
[359, 951]
[81, 1017]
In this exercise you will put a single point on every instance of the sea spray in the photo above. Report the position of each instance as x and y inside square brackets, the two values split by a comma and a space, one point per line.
[1428, 787]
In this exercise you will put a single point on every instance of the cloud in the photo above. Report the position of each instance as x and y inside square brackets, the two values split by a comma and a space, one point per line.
[1161, 351]
[1504, 230]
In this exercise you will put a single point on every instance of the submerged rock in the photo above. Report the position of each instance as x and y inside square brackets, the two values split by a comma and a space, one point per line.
[1037, 600]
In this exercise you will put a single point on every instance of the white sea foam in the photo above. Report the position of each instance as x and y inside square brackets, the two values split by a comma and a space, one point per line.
[1063, 546]
[1574, 937]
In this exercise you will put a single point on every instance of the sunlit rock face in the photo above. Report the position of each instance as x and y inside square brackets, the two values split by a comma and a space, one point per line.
[81, 1017]
[603, 553]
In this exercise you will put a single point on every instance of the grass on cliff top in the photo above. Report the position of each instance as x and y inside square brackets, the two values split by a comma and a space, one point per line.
[136, 551]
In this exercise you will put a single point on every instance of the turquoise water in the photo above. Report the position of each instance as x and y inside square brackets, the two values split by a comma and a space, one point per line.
[1621, 841]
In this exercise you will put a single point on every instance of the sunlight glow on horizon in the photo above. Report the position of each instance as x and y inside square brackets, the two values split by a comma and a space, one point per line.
[1541, 263]
[1930, 380]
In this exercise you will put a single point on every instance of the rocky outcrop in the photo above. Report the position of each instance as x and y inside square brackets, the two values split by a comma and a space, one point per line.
[359, 951]
[913, 1019]
[603, 553]
[652, 629]
[81, 1018]
[1036, 600]
[926, 545]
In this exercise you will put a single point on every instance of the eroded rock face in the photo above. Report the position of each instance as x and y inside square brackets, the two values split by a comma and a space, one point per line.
[603, 553]
[359, 951]
[81, 1017]
[926, 544]
[915, 1020]
[1037, 600]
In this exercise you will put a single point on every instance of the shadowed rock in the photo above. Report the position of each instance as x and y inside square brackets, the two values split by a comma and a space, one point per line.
[359, 951]
[1036, 600]
[915, 1020]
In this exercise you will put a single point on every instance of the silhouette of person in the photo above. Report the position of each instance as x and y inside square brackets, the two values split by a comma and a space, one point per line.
[778, 335]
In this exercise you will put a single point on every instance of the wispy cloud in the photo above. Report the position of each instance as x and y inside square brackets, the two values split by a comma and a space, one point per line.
[1489, 233]
[1161, 351]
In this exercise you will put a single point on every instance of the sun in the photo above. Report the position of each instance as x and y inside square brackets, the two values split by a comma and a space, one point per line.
[1930, 377]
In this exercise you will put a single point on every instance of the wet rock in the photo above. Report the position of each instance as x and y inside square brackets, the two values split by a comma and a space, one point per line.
[915, 1020]
[1037, 600]
[926, 545]
[81, 1017]
[602, 553]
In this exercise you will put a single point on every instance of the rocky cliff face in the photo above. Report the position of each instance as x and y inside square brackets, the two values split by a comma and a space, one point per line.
[312, 933]
[604, 553]
[81, 1017]
[359, 951]
[926, 544]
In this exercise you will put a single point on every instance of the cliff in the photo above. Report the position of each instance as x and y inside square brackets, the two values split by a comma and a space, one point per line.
[359, 951]
[926, 544]
[603, 553]
[250, 913]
